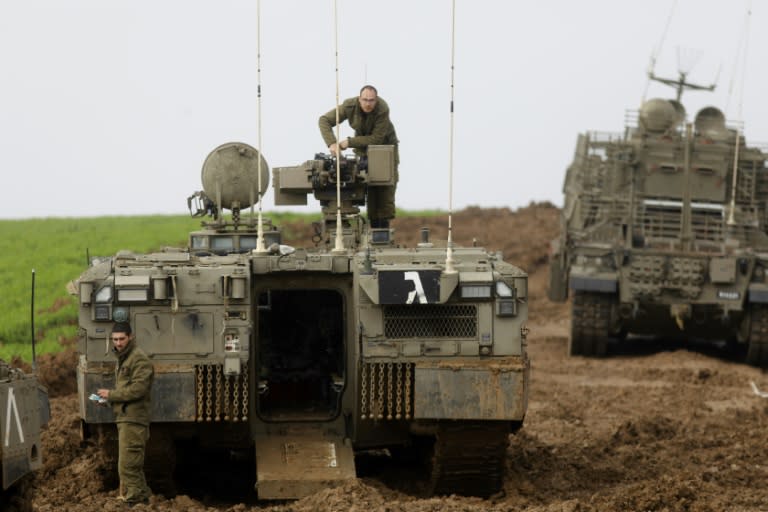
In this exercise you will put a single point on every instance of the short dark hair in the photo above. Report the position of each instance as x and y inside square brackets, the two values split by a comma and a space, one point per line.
[369, 87]
[122, 327]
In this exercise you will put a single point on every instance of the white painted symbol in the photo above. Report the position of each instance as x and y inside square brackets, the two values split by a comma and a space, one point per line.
[12, 405]
[419, 289]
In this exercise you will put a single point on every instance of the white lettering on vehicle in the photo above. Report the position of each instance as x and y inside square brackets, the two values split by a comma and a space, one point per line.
[12, 405]
[419, 289]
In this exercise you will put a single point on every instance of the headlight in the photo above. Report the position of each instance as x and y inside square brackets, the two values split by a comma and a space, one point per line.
[104, 295]
[132, 295]
[503, 289]
[476, 291]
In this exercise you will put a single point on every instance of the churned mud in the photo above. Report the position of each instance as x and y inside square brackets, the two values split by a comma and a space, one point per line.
[654, 426]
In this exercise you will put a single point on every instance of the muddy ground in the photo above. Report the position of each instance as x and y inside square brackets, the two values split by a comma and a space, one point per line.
[655, 426]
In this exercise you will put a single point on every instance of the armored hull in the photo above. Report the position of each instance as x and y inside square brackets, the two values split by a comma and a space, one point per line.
[664, 233]
[24, 410]
[307, 355]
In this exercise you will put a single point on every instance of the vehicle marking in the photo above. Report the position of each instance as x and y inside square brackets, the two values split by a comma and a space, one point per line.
[12, 405]
[419, 289]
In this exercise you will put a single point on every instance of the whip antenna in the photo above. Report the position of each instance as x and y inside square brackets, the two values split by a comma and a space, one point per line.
[449, 249]
[260, 248]
[732, 206]
[339, 247]
[32, 322]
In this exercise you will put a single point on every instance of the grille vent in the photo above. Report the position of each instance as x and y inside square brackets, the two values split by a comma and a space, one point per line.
[431, 321]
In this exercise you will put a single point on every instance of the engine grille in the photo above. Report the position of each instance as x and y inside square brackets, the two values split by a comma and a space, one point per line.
[431, 321]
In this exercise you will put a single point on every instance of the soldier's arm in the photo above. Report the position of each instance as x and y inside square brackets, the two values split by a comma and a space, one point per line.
[141, 381]
[327, 122]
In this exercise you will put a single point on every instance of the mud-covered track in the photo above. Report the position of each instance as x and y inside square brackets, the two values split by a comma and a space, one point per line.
[468, 458]
[757, 351]
[590, 324]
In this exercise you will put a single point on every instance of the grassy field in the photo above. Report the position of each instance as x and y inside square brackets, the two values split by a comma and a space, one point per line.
[57, 249]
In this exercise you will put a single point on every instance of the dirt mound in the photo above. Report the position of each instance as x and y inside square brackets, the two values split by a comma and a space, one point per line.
[645, 430]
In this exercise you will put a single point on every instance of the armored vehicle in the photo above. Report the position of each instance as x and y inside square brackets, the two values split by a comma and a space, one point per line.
[663, 232]
[24, 410]
[305, 356]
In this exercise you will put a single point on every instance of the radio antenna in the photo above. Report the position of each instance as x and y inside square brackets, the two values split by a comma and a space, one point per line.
[339, 246]
[657, 50]
[745, 35]
[260, 246]
[449, 269]
[32, 322]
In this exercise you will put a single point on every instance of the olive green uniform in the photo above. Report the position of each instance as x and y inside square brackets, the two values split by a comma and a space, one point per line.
[131, 404]
[370, 129]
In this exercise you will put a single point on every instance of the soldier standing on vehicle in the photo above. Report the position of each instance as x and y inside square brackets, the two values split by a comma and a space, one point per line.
[130, 402]
[368, 115]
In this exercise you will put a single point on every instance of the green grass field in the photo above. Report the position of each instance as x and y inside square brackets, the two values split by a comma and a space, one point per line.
[58, 250]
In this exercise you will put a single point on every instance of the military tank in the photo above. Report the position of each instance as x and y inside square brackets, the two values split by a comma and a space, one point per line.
[306, 356]
[663, 232]
[24, 410]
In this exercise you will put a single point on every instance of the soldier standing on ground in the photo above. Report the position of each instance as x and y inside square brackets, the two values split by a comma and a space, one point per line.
[130, 402]
[368, 115]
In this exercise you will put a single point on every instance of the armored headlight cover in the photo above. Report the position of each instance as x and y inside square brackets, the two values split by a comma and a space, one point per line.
[104, 295]
[475, 291]
[132, 295]
[503, 289]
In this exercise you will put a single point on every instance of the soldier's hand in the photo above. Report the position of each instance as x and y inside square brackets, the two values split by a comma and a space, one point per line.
[334, 149]
[103, 393]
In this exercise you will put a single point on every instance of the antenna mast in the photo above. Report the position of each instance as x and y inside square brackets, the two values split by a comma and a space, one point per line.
[32, 322]
[657, 50]
[260, 247]
[339, 245]
[449, 269]
[732, 206]
[680, 84]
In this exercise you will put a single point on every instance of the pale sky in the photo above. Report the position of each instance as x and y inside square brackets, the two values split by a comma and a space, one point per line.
[110, 107]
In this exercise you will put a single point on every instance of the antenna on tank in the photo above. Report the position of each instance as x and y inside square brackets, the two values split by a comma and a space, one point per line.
[339, 245]
[260, 246]
[732, 206]
[32, 322]
[657, 50]
[449, 269]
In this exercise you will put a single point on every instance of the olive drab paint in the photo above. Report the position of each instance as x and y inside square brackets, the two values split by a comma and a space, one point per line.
[664, 232]
[309, 354]
[24, 411]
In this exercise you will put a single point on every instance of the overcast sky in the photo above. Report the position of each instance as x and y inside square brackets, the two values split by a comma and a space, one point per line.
[110, 107]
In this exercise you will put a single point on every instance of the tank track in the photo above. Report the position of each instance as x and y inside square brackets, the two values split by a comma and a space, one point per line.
[469, 458]
[590, 324]
[757, 349]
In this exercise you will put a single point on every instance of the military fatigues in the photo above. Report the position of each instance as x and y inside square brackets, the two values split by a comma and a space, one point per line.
[131, 405]
[370, 129]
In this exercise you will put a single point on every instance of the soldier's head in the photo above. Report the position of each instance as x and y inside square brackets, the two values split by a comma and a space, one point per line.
[367, 98]
[121, 336]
